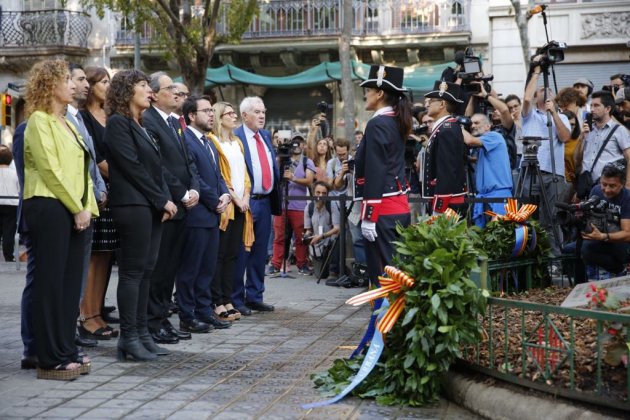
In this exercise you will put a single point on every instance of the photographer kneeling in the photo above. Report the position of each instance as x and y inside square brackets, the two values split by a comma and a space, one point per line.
[610, 250]
[321, 227]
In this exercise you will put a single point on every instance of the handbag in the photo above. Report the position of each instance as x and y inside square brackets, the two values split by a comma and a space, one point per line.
[585, 181]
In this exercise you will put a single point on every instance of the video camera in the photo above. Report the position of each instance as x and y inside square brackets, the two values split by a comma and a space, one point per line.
[285, 151]
[323, 107]
[552, 52]
[593, 211]
[472, 67]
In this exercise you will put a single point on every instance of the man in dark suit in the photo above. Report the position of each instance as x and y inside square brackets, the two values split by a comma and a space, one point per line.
[183, 182]
[201, 235]
[260, 159]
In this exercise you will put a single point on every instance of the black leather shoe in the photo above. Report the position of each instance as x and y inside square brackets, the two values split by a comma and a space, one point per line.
[260, 306]
[29, 362]
[216, 323]
[244, 310]
[162, 336]
[181, 335]
[194, 326]
[84, 342]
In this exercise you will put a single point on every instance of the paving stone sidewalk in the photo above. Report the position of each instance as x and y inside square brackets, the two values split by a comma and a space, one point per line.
[259, 368]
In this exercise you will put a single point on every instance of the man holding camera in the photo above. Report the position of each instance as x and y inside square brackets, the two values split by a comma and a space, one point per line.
[534, 113]
[321, 225]
[610, 250]
[606, 141]
[300, 174]
[493, 177]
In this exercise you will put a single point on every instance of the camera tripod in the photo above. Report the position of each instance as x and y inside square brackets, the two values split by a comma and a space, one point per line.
[530, 170]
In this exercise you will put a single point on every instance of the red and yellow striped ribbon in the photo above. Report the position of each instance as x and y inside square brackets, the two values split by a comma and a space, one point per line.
[449, 213]
[392, 284]
[513, 213]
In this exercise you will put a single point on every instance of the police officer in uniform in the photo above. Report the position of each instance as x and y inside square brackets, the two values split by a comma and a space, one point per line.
[380, 166]
[444, 174]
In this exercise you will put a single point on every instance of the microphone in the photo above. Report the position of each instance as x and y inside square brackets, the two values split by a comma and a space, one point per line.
[535, 10]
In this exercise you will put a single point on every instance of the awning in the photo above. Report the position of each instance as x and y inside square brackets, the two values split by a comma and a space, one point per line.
[418, 78]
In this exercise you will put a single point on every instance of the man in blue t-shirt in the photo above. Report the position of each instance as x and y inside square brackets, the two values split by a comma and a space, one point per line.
[493, 176]
[609, 250]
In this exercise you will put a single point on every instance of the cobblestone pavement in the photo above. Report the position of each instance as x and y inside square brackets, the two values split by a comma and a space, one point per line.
[259, 368]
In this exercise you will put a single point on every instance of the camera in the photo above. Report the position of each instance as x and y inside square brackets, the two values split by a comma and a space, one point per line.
[465, 122]
[285, 151]
[421, 130]
[588, 119]
[471, 65]
[323, 107]
[350, 163]
[552, 53]
[593, 211]
[306, 240]
[530, 147]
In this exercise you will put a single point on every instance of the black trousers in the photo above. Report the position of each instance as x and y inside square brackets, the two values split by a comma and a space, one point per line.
[139, 229]
[8, 215]
[380, 252]
[611, 256]
[230, 242]
[163, 279]
[58, 252]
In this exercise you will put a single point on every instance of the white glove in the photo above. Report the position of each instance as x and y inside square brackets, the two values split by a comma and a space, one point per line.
[368, 229]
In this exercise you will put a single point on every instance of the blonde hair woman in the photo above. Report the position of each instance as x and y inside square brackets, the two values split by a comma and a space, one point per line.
[58, 205]
[237, 225]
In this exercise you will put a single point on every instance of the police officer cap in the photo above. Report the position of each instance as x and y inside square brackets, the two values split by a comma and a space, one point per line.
[446, 91]
[385, 78]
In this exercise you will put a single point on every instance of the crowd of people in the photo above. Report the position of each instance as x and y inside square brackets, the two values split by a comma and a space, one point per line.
[187, 199]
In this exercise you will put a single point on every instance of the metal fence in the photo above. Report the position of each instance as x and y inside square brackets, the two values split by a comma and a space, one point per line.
[552, 356]
[293, 18]
[44, 28]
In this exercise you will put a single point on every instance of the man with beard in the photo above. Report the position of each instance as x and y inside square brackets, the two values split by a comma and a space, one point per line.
[201, 234]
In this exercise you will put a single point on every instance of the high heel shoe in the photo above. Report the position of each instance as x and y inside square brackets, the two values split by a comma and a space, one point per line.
[135, 349]
[150, 345]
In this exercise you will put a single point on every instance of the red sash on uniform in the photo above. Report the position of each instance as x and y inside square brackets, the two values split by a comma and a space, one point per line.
[395, 204]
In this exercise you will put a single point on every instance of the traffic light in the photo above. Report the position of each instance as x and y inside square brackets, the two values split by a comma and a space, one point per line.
[6, 110]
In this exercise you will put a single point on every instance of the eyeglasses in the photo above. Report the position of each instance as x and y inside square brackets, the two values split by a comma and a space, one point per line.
[231, 114]
[181, 94]
[171, 87]
[206, 110]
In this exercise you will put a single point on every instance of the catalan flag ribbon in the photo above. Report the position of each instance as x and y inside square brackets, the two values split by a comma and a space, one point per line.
[392, 284]
[519, 215]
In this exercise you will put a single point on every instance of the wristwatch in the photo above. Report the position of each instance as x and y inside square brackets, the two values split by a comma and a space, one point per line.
[607, 238]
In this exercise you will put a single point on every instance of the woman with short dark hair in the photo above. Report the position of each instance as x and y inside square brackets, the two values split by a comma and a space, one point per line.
[140, 202]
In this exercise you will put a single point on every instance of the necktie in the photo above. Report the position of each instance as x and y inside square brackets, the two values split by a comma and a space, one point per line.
[264, 162]
[182, 123]
[206, 143]
[174, 124]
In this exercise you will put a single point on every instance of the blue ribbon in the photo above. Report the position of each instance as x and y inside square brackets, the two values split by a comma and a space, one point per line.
[371, 358]
[369, 333]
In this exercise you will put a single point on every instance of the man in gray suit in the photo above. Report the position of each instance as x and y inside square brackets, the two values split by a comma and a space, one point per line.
[100, 190]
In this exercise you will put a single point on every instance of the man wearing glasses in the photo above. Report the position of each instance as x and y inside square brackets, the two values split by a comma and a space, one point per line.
[183, 182]
[180, 92]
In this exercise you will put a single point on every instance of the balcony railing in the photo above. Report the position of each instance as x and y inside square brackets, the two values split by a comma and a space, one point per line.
[44, 28]
[297, 18]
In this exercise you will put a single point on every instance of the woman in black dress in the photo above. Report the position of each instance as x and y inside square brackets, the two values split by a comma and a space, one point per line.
[105, 237]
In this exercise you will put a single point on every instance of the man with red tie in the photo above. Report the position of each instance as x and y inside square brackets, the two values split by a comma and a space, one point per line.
[262, 168]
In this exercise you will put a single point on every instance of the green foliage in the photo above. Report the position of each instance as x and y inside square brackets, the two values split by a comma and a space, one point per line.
[440, 316]
[497, 241]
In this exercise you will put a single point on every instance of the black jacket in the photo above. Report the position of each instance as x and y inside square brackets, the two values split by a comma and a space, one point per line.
[179, 172]
[136, 175]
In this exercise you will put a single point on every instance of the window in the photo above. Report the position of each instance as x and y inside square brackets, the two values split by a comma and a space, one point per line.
[35, 5]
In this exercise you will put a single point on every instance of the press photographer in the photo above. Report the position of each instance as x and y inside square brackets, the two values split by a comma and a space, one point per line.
[609, 250]
[299, 172]
[493, 176]
[605, 142]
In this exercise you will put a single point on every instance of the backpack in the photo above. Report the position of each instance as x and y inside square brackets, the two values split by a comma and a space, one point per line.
[508, 136]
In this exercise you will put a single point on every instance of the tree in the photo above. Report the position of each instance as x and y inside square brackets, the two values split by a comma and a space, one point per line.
[521, 24]
[188, 36]
[347, 85]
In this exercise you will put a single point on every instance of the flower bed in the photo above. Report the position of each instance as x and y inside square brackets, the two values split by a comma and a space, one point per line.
[578, 353]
